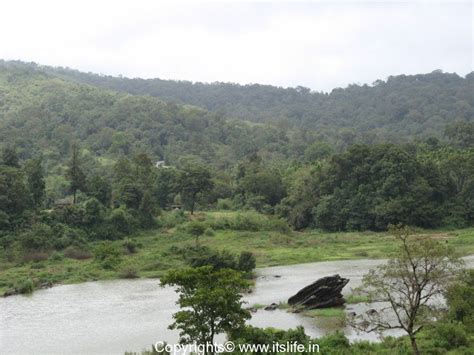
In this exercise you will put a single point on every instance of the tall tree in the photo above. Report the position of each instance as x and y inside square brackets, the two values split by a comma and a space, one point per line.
[35, 180]
[195, 178]
[10, 157]
[422, 270]
[74, 173]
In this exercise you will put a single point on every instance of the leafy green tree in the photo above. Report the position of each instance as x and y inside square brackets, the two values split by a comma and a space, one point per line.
[210, 302]
[460, 299]
[74, 173]
[100, 188]
[14, 196]
[419, 272]
[147, 210]
[10, 157]
[35, 180]
[255, 181]
[196, 229]
[166, 186]
[194, 179]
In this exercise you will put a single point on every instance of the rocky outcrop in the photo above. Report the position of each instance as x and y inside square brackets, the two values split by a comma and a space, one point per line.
[325, 292]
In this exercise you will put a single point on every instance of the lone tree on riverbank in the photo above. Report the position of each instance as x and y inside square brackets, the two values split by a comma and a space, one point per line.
[210, 303]
[421, 271]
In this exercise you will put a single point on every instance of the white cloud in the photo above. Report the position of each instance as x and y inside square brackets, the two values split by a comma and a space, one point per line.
[316, 44]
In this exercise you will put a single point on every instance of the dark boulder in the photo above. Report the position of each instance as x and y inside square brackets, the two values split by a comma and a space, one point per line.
[325, 292]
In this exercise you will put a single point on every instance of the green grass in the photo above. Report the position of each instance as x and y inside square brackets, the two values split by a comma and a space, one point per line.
[271, 244]
[354, 298]
[326, 312]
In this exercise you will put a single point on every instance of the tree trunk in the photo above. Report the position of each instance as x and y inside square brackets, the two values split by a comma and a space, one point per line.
[192, 207]
[414, 346]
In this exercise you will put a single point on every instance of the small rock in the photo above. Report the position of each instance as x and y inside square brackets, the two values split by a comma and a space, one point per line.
[372, 312]
[271, 307]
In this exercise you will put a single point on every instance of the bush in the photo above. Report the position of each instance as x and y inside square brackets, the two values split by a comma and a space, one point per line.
[209, 232]
[65, 236]
[334, 341]
[278, 225]
[121, 221]
[74, 252]
[246, 262]
[130, 245]
[449, 335]
[249, 221]
[128, 272]
[108, 255]
[203, 256]
[56, 256]
[24, 286]
[37, 238]
[195, 228]
[172, 219]
[225, 204]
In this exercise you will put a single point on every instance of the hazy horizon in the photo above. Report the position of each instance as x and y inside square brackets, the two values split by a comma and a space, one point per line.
[218, 82]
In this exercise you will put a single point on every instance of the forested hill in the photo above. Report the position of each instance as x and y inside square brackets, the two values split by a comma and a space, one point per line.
[42, 112]
[44, 108]
[402, 107]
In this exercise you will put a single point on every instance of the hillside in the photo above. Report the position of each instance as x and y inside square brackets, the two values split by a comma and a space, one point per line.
[39, 111]
[400, 108]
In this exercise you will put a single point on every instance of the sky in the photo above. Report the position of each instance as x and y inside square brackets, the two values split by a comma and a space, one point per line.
[316, 44]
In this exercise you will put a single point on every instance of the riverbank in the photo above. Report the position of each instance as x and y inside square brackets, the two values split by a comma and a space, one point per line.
[161, 249]
[133, 314]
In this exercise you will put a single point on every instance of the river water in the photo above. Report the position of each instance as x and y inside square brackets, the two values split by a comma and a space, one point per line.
[111, 317]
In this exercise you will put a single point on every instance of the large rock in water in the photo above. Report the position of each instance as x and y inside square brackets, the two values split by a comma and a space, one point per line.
[325, 292]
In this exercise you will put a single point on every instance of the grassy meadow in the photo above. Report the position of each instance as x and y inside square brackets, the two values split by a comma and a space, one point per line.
[161, 249]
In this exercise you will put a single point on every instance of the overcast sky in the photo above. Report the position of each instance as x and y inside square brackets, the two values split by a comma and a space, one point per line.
[317, 44]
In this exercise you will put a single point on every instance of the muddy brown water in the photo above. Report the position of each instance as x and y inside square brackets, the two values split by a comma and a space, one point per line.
[111, 317]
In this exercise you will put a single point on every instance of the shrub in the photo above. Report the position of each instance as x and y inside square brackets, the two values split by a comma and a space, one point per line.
[128, 272]
[334, 341]
[24, 286]
[121, 221]
[450, 335]
[225, 204]
[203, 256]
[130, 245]
[195, 228]
[38, 237]
[56, 256]
[74, 252]
[209, 232]
[246, 261]
[108, 255]
[249, 221]
[65, 236]
[172, 219]
[278, 225]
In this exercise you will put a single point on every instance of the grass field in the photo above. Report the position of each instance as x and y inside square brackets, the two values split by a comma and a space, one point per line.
[271, 242]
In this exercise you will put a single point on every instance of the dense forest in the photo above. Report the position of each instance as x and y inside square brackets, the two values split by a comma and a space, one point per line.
[397, 110]
[97, 149]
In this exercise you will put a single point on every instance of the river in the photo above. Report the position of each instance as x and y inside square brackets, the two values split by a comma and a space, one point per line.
[111, 317]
